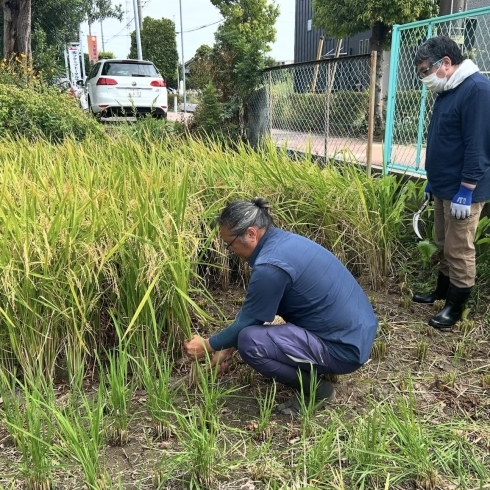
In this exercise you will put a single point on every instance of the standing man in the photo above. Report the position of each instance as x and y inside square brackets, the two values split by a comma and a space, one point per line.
[457, 164]
[330, 325]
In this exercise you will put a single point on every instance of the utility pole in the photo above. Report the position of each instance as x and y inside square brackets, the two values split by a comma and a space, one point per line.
[178, 76]
[137, 31]
[102, 36]
[183, 59]
[140, 14]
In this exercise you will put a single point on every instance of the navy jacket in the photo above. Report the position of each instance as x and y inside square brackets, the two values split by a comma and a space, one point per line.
[458, 140]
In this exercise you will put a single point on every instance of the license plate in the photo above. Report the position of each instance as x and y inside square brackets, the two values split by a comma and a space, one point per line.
[135, 93]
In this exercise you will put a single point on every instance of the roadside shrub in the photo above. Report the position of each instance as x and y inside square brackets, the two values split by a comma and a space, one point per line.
[42, 112]
[211, 114]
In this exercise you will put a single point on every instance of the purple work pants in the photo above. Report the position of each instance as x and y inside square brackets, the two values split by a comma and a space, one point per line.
[278, 351]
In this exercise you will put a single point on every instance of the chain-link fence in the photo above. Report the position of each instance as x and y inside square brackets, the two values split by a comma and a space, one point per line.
[318, 107]
[409, 104]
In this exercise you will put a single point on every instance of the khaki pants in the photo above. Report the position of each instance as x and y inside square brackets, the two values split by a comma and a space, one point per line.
[455, 240]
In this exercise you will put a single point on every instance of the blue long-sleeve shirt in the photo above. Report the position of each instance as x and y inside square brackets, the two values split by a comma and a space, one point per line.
[458, 140]
[228, 337]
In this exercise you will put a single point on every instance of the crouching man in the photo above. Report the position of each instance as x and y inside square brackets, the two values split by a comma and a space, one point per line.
[330, 325]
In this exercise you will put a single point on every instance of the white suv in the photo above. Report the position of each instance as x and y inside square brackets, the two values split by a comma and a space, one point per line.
[126, 88]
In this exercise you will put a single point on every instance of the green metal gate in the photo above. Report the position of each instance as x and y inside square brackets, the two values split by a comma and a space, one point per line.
[409, 104]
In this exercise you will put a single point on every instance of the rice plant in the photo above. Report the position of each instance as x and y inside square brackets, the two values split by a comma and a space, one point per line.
[81, 434]
[422, 350]
[318, 454]
[25, 415]
[379, 349]
[210, 393]
[156, 377]
[368, 441]
[198, 435]
[117, 386]
[266, 401]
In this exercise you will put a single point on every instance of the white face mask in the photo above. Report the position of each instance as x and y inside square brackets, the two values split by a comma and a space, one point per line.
[434, 83]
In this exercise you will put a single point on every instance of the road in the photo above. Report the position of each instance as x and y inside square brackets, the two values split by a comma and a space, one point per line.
[178, 116]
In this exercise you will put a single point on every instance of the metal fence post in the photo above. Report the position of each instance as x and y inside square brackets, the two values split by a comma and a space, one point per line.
[270, 112]
[330, 70]
[327, 111]
[423, 103]
[390, 105]
[372, 88]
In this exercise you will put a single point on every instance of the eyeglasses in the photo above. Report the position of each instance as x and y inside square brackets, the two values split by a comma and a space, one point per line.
[228, 245]
[423, 73]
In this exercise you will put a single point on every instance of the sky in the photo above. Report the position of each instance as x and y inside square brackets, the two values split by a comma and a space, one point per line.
[200, 20]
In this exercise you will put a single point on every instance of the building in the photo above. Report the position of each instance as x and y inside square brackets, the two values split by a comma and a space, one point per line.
[307, 37]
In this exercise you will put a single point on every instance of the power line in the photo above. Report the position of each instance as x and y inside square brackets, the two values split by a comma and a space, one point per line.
[146, 3]
[128, 25]
[200, 27]
[123, 29]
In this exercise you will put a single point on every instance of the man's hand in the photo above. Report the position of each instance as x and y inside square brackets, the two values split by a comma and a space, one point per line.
[222, 358]
[428, 193]
[461, 203]
[197, 347]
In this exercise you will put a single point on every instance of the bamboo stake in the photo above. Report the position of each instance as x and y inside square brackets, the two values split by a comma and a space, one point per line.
[318, 56]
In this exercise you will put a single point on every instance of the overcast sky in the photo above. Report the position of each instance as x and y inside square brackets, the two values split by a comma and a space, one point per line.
[200, 20]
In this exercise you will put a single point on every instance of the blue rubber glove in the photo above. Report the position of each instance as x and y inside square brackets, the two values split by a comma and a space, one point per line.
[428, 193]
[461, 203]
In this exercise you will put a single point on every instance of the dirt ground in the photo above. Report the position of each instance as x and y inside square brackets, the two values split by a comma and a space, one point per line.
[447, 371]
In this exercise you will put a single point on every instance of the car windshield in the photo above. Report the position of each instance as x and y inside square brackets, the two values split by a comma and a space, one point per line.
[127, 69]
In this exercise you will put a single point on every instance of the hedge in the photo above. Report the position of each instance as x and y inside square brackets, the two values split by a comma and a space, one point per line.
[43, 113]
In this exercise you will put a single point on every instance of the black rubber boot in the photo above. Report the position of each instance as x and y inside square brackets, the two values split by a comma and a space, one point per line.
[439, 293]
[324, 393]
[453, 309]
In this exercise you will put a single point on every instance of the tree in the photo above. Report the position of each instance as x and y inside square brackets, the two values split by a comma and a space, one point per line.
[16, 28]
[242, 41]
[341, 18]
[106, 55]
[48, 23]
[98, 10]
[158, 45]
[59, 19]
[200, 68]
[269, 62]
[54, 23]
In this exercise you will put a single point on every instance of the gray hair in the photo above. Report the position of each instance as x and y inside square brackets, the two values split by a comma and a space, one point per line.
[435, 48]
[240, 215]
